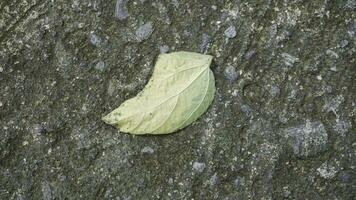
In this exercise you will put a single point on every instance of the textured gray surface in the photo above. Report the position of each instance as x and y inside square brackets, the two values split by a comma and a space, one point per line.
[282, 125]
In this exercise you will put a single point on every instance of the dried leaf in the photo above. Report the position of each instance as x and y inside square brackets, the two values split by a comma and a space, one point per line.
[180, 90]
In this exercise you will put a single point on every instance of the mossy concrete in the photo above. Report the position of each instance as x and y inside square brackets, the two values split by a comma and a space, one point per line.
[282, 124]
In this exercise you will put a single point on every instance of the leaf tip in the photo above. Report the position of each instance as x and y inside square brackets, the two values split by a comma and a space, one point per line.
[109, 119]
[105, 119]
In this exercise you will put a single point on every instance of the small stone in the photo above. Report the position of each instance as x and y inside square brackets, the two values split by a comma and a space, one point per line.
[170, 181]
[230, 73]
[147, 150]
[332, 53]
[230, 32]
[286, 192]
[214, 179]
[1, 69]
[333, 69]
[144, 31]
[327, 171]
[121, 11]
[247, 110]
[346, 176]
[100, 66]
[81, 25]
[206, 41]
[164, 48]
[111, 87]
[288, 59]
[344, 43]
[329, 89]
[250, 54]
[198, 167]
[95, 40]
[175, 3]
[332, 105]
[47, 193]
[239, 181]
[38, 129]
[275, 91]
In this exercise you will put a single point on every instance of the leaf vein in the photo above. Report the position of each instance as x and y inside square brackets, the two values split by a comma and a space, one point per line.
[164, 101]
[168, 116]
[175, 73]
[206, 92]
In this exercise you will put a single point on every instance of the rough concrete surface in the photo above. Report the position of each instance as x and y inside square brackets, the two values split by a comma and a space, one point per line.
[282, 124]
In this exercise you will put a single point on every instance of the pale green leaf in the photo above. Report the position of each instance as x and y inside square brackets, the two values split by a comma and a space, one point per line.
[180, 90]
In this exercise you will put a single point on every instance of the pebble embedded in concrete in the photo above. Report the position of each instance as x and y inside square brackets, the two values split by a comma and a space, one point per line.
[121, 11]
[327, 170]
[230, 73]
[230, 32]
[198, 167]
[147, 150]
[164, 49]
[100, 65]
[95, 40]
[144, 31]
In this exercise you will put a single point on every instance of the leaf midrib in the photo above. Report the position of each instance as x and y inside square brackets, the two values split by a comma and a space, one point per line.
[152, 108]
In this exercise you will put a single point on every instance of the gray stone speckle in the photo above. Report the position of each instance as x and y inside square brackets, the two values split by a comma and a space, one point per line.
[111, 87]
[230, 32]
[214, 180]
[333, 68]
[239, 181]
[47, 191]
[198, 167]
[307, 139]
[170, 181]
[95, 40]
[147, 150]
[332, 53]
[346, 176]
[288, 59]
[247, 110]
[121, 11]
[344, 43]
[250, 54]
[332, 105]
[327, 171]
[100, 65]
[275, 91]
[164, 49]
[293, 59]
[144, 31]
[206, 41]
[175, 3]
[286, 192]
[230, 73]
